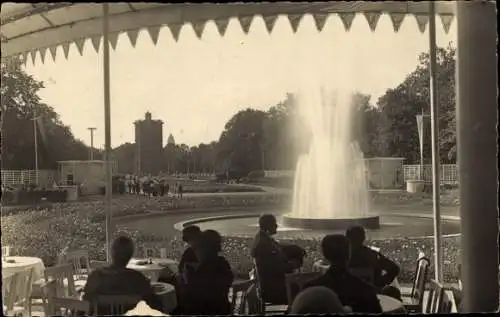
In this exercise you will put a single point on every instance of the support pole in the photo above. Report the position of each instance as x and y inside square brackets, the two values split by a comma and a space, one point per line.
[477, 135]
[91, 143]
[438, 252]
[36, 147]
[107, 129]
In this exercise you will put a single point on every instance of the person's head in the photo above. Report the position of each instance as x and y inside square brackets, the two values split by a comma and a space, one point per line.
[122, 250]
[267, 223]
[209, 245]
[317, 300]
[335, 248]
[190, 234]
[355, 235]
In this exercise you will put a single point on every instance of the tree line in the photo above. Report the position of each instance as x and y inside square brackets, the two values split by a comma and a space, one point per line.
[252, 140]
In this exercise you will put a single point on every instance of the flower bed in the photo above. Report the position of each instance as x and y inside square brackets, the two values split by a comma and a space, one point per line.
[45, 232]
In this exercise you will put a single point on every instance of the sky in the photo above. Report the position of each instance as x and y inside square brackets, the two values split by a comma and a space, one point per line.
[195, 86]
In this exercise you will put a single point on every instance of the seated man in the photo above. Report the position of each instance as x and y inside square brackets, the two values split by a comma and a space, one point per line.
[351, 290]
[116, 279]
[385, 270]
[190, 235]
[207, 284]
[272, 263]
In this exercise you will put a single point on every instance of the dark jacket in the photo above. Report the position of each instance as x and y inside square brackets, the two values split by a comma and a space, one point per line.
[207, 288]
[365, 257]
[272, 265]
[119, 281]
[187, 257]
[351, 290]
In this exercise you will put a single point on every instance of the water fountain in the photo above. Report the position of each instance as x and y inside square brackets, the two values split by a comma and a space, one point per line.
[330, 190]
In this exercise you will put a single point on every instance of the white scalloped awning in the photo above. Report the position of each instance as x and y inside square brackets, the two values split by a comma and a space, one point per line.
[31, 27]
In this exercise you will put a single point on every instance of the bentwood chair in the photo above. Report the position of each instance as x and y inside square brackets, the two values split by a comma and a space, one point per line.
[413, 301]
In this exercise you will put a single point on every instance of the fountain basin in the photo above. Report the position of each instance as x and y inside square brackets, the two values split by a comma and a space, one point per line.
[370, 222]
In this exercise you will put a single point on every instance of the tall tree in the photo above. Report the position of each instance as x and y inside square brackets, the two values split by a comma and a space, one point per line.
[241, 144]
[398, 133]
[20, 104]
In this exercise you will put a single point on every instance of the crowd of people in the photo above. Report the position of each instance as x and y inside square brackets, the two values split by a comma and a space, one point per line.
[204, 276]
[149, 186]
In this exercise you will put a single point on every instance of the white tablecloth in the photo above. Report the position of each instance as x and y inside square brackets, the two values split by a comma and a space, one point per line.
[15, 264]
[391, 305]
[167, 294]
[152, 271]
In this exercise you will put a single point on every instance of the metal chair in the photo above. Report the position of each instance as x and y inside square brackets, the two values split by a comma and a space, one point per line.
[299, 280]
[413, 301]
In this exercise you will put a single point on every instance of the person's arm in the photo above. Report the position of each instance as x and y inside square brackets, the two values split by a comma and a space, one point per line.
[391, 270]
[271, 259]
[148, 294]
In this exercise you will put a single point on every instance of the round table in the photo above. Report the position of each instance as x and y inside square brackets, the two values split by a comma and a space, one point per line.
[391, 305]
[152, 271]
[15, 264]
[167, 294]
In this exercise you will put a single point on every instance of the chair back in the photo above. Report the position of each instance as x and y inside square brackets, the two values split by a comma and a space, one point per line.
[163, 253]
[421, 272]
[240, 291]
[258, 288]
[49, 289]
[295, 283]
[9, 287]
[6, 251]
[60, 273]
[80, 261]
[69, 307]
[366, 274]
[114, 304]
[16, 289]
[435, 299]
[149, 251]
[94, 265]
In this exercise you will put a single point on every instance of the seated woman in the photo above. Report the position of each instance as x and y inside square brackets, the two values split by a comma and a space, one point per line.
[207, 283]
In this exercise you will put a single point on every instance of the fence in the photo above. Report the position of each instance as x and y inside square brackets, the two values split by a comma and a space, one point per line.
[448, 175]
[14, 177]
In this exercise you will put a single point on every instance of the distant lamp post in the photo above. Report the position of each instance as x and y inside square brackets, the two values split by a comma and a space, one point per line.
[91, 142]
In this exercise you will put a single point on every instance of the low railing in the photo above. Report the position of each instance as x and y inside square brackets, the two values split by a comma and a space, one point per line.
[24, 177]
[448, 173]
